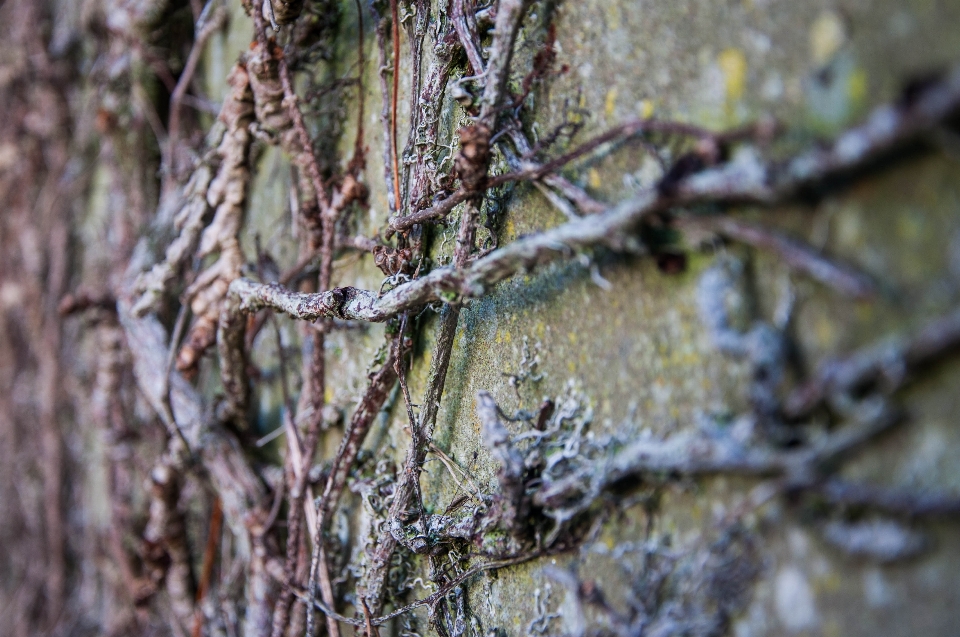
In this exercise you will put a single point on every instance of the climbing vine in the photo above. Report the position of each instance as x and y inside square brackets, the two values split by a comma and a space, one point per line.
[191, 297]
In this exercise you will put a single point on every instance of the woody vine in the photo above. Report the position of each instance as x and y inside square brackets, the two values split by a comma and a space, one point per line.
[200, 297]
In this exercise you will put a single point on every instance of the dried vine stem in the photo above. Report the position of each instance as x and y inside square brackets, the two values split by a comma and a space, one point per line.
[210, 20]
[233, 480]
[567, 494]
[222, 235]
[431, 600]
[166, 552]
[510, 14]
[710, 142]
[691, 455]
[475, 139]
[714, 184]
[682, 455]
[806, 469]
[585, 203]
[468, 36]
[896, 501]
[527, 170]
[524, 170]
[795, 254]
[888, 365]
[426, 125]
[448, 283]
[372, 586]
[278, 107]
[295, 138]
[218, 184]
[416, 34]
[394, 98]
[744, 178]
[747, 178]
[369, 406]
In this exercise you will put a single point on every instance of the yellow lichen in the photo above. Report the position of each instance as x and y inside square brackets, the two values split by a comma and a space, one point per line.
[593, 177]
[646, 108]
[610, 103]
[827, 36]
[733, 65]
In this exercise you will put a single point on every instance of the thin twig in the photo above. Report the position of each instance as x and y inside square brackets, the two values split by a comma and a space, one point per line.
[452, 467]
[371, 588]
[468, 37]
[794, 253]
[510, 14]
[167, 413]
[317, 361]
[358, 149]
[897, 501]
[426, 121]
[206, 26]
[370, 405]
[209, 555]
[417, 33]
[394, 97]
[888, 364]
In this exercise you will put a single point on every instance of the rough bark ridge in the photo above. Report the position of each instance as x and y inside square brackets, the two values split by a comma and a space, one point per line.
[259, 379]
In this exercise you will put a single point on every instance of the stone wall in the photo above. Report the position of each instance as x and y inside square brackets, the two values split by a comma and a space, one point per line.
[624, 338]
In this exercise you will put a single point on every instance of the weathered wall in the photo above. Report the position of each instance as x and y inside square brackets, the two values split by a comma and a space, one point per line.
[637, 352]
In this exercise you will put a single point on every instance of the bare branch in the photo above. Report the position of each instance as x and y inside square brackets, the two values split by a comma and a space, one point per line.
[206, 26]
[371, 587]
[165, 538]
[218, 184]
[692, 455]
[888, 364]
[449, 283]
[744, 178]
[506, 27]
[370, 405]
[234, 481]
[430, 600]
[468, 37]
[793, 252]
[894, 500]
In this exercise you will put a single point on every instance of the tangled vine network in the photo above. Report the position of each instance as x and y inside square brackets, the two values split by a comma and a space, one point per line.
[190, 294]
